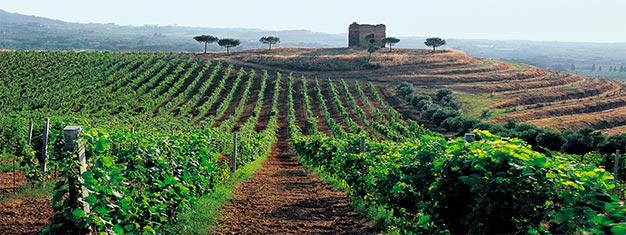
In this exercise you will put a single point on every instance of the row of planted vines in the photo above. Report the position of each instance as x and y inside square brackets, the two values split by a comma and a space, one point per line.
[496, 185]
[429, 185]
[184, 110]
[135, 181]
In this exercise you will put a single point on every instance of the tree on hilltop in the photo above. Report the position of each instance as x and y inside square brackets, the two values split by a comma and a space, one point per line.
[206, 39]
[228, 43]
[270, 40]
[434, 42]
[390, 41]
[371, 48]
[572, 68]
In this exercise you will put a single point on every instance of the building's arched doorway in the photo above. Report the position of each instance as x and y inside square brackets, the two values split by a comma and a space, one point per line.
[370, 38]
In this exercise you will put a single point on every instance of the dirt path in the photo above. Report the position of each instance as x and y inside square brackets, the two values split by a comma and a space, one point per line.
[284, 198]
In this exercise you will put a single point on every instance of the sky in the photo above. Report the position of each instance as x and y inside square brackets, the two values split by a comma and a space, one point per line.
[539, 20]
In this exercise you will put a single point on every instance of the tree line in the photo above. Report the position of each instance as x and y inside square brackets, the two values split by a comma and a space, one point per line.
[593, 68]
[231, 42]
[227, 43]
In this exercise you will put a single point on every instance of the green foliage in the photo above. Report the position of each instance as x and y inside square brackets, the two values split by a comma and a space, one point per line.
[405, 89]
[494, 185]
[582, 141]
[270, 40]
[434, 42]
[390, 41]
[228, 43]
[371, 48]
[206, 39]
[137, 183]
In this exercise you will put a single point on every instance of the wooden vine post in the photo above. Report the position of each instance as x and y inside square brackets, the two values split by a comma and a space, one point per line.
[234, 157]
[362, 144]
[73, 145]
[615, 167]
[44, 150]
[30, 133]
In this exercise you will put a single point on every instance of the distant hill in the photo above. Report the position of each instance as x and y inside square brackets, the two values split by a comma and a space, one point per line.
[25, 32]
[37, 33]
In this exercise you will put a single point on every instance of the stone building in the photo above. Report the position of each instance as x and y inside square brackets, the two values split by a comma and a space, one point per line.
[360, 35]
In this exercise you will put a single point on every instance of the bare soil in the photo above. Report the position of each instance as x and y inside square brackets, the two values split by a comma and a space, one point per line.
[21, 216]
[283, 197]
[24, 216]
[9, 181]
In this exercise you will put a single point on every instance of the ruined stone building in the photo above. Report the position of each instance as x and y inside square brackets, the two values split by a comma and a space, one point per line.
[360, 35]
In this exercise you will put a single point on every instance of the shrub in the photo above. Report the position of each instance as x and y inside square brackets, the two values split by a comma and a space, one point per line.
[442, 114]
[582, 141]
[404, 89]
[613, 143]
[550, 139]
[441, 93]
[423, 104]
[372, 66]
[428, 111]
[417, 98]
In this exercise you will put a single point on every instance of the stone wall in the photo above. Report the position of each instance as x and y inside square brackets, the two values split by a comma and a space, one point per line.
[360, 35]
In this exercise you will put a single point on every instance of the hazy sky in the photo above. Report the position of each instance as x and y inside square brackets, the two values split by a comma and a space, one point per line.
[546, 20]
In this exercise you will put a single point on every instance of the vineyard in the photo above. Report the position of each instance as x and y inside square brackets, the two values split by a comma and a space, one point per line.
[158, 134]
[555, 100]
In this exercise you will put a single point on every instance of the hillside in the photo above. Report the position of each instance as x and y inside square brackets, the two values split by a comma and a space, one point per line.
[505, 90]
[158, 110]
[501, 90]
[38, 33]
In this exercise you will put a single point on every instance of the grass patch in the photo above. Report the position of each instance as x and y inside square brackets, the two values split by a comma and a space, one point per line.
[487, 62]
[474, 104]
[9, 162]
[202, 216]
[519, 67]
[29, 191]
[497, 112]
[570, 87]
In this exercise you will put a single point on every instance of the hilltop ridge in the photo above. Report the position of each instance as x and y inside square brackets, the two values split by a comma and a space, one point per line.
[504, 90]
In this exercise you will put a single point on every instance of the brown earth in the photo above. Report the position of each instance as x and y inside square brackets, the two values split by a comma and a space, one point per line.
[21, 215]
[27, 216]
[9, 181]
[283, 197]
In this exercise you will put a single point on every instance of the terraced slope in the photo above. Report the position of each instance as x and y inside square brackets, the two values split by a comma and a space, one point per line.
[548, 99]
